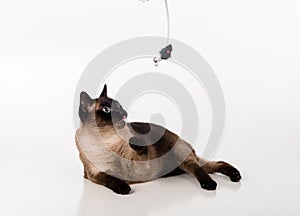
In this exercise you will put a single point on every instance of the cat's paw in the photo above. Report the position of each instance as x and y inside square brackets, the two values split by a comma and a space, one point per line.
[235, 175]
[138, 145]
[122, 188]
[209, 184]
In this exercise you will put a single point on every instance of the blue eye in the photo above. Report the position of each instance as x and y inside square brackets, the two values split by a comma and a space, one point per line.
[106, 109]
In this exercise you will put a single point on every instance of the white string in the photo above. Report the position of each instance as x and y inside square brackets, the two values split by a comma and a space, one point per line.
[168, 21]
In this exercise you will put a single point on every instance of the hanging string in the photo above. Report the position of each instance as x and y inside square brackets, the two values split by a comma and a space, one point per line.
[168, 21]
[165, 52]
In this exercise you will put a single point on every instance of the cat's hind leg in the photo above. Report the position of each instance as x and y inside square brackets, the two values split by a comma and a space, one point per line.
[222, 167]
[191, 166]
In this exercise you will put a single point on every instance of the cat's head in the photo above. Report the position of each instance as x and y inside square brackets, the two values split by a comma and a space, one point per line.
[103, 110]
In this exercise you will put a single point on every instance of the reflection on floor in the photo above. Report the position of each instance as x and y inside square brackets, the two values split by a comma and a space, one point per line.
[149, 198]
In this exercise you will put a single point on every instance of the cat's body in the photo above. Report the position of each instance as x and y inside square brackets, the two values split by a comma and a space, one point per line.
[116, 154]
[111, 153]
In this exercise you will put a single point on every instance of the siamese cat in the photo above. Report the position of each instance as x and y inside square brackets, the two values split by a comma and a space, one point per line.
[116, 154]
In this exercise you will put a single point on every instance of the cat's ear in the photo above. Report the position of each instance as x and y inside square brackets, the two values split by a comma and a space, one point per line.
[85, 101]
[104, 91]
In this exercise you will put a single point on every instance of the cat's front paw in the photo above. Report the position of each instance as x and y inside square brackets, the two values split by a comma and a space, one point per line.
[208, 184]
[138, 145]
[122, 188]
[235, 175]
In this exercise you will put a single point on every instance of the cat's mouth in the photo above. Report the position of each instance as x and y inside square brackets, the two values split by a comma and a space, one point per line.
[121, 123]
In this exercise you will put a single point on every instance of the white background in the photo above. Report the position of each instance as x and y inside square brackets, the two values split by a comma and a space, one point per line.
[253, 46]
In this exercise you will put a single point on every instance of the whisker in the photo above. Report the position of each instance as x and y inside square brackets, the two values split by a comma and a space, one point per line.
[133, 112]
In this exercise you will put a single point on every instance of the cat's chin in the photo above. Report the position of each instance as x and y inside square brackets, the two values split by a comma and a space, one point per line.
[120, 124]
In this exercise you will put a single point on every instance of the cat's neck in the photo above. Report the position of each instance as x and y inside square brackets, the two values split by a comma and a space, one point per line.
[92, 125]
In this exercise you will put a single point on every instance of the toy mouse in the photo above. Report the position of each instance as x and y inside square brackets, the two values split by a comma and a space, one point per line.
[165, 54]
